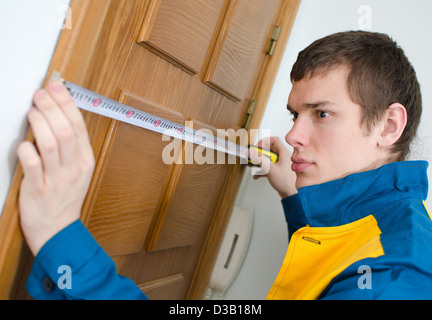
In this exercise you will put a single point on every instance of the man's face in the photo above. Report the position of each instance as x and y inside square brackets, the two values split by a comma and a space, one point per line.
[328, 137]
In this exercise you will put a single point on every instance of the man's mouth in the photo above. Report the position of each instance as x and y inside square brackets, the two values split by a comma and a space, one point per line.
[300, 165]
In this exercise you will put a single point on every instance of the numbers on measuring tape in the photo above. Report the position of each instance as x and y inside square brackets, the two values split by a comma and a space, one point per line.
[95, 103]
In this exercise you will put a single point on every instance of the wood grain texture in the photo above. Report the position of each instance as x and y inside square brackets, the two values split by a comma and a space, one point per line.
[234, 70]
[188, 202]
[157, 289]
[181, 31]
[134, 176]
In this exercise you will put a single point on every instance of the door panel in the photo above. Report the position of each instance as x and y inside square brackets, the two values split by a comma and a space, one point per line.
[189, 199]
[163, 289]
[181, 30]
[189, 207]
[242, 47]
[133, 179]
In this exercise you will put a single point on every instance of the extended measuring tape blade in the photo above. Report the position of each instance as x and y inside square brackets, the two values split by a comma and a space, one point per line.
[101, 105]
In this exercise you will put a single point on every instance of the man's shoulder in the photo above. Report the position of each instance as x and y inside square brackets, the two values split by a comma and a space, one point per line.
[382, 278]
[406, 228]
[404, 271]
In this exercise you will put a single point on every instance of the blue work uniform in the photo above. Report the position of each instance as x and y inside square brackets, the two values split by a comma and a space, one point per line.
[72, 266]
[366, 236]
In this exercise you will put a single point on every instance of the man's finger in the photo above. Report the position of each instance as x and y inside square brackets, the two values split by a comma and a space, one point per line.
[46, 142]
[31, 164]
[60, 126]
[62, 97]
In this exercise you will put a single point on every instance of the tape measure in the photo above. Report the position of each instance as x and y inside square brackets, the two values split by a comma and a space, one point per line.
[101, 105]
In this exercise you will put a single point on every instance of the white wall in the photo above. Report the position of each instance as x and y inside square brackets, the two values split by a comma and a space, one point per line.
[28, 31]
[409, 23]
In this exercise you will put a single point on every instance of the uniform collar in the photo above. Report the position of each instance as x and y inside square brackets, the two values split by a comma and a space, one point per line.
[356, 196]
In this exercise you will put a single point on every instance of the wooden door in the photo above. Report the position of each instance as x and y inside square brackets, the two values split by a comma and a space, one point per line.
[191, 60]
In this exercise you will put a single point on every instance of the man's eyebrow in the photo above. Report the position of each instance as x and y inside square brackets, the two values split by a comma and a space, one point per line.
[310, 105]
[290, 109]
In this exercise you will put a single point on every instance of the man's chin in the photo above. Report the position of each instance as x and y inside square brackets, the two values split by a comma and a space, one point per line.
[302, 182]
[306, 180]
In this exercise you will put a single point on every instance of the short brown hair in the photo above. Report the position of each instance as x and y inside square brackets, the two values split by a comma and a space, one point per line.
[380, 76]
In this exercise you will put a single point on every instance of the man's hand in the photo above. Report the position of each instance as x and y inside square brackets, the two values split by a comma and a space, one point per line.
[58, 170]
[279, 174]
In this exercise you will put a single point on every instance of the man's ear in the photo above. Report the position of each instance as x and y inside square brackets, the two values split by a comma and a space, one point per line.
[393, 125]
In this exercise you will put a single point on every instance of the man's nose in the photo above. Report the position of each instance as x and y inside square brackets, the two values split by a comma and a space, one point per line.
[299, 135]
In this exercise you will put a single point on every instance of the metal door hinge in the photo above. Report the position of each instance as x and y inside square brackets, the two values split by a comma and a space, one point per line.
[249, 114]
[273, 40]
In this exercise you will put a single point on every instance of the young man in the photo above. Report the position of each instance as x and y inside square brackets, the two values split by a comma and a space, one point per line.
[358, 224]
[359, 227]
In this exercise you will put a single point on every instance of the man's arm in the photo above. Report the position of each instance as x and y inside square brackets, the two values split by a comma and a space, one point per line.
[69, 264]
[72, 265]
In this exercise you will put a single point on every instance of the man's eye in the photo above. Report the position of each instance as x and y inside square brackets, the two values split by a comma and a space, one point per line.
[323, 114]
[294, 115]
